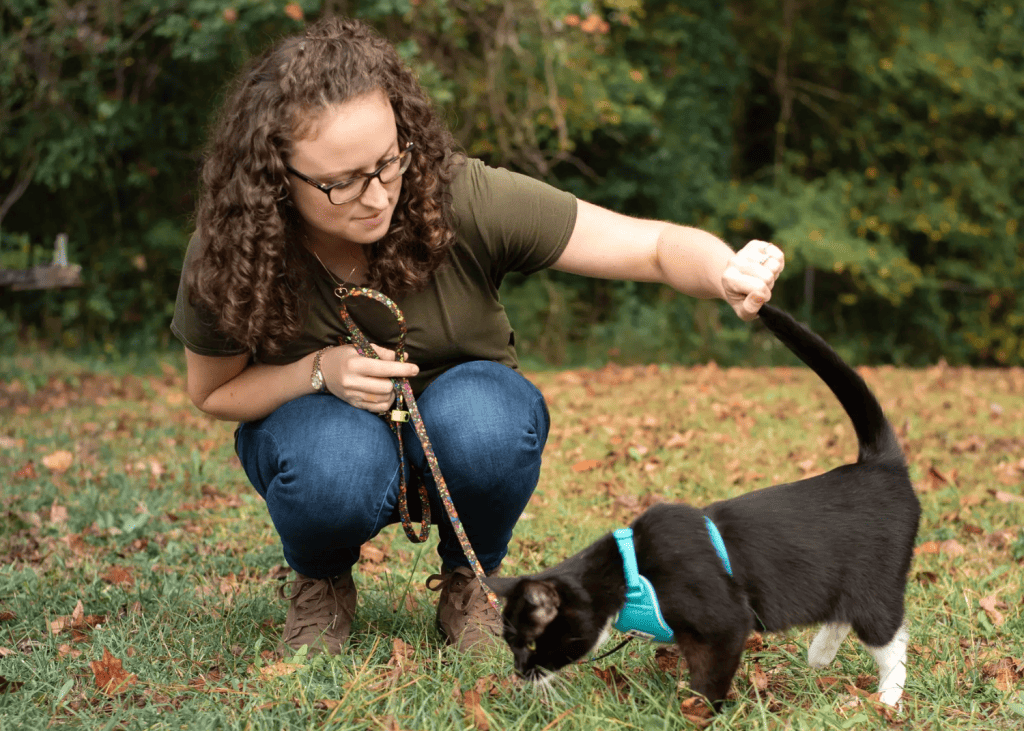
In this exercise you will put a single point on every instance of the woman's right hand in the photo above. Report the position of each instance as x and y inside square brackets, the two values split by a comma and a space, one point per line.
[364, 382]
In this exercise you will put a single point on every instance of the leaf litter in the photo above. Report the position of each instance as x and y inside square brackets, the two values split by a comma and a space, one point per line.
[622, 438]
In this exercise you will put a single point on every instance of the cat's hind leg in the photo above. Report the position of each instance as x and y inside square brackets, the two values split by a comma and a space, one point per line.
[826, 644]
[892, 666]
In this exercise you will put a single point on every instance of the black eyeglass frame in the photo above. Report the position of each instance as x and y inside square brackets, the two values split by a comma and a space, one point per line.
[367, 177]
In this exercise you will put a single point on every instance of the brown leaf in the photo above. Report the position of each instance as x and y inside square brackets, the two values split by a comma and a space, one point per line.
[59, 461]
[586, 465]
[952, 548]
[927, 547]
[989, 604]
[933, 479]
[474, 712]
[28, 472]
[7, 616]
[757, 677]
[677, 440]
[9, 686]
[111, 677]
[1006, 497]
[58, 514]
[696, 711]
[279, 669]
[371, 554]
[118, 576]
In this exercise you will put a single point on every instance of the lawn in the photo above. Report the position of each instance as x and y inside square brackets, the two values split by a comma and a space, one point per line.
[139, 571]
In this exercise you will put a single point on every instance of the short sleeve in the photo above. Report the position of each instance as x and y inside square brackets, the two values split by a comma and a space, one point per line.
[522, 224]
[193, 326]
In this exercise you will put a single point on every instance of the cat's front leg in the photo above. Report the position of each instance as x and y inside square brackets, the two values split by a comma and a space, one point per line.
[712, 664]
[826, 644]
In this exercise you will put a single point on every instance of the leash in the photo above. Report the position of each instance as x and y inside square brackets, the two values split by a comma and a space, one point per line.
[399, 415]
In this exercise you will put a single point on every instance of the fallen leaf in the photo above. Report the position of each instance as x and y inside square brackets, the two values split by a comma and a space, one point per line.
[9, 686]
[989, 604]
[926, 548]
[696, 711]
[474, 712]
[119, 576]
[293, 11]
[111, 677]
[1006, 497]
[279, 669]
[586, 465]
[757, 678]
[59, 461]
[952, 548]
[58, 514]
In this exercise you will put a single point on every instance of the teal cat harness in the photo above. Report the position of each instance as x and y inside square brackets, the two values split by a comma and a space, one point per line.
[641, 615]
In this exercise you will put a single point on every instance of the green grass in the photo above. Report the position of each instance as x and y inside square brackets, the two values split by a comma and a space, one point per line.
[149, 524]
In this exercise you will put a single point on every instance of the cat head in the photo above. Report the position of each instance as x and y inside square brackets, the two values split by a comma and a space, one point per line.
[548, 623]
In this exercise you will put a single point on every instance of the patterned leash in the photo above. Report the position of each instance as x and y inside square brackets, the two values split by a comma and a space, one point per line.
[395, 418]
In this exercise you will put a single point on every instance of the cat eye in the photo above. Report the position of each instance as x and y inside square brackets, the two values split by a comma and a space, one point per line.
[531, 646]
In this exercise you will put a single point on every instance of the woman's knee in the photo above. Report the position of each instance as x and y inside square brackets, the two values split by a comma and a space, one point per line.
[485, 415]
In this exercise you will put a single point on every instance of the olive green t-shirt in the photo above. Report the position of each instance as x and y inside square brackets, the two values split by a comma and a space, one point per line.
[506, 222]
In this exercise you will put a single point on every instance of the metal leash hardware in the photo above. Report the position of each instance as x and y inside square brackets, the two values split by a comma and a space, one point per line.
[398, 415]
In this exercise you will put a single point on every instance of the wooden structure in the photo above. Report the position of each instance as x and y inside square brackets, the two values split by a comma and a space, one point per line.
[57, 275]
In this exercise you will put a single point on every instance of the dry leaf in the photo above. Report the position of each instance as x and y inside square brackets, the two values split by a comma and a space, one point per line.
[58, 514]
[758, 679]
[989, 604]
[59, 461]
[1006, 497]
[474, 713]
[279, 669]
[586, 465]
[118, 575]
[371, 553]
[111, 677]
[952, 548]
[696, 711]
[927, 547]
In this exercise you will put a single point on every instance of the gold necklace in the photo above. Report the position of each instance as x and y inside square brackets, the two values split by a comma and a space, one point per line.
[341, 291]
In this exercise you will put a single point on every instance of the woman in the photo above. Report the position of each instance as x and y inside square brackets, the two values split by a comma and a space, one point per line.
[328, 170]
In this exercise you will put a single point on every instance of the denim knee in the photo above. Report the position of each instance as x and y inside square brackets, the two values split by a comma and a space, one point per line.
[327, 472]
[488, 426]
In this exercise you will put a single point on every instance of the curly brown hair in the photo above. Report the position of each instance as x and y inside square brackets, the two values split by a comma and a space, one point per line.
[253, 269]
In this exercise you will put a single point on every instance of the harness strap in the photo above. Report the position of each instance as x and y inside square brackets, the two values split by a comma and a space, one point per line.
[718, 543]
[398, 415]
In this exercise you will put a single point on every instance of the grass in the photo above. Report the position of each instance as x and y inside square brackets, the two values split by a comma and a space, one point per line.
[138, 570]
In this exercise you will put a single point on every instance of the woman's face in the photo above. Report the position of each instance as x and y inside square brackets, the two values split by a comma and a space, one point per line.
[356, 136]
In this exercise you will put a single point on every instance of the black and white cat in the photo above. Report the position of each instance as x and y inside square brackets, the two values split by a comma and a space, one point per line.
[834, 548]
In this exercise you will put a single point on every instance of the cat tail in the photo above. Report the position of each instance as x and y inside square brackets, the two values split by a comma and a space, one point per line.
[875, 436]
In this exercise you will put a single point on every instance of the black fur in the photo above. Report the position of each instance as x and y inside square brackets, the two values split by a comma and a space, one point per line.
[832, 548]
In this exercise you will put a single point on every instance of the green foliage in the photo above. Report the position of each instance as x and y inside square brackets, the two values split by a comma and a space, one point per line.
[877, 142]
[102, 112]
[894, 173]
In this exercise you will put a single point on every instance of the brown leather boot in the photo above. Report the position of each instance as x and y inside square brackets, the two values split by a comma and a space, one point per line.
[320, 614]
[464, 615]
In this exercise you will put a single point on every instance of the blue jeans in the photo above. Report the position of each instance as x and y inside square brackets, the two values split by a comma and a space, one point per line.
[329, 472]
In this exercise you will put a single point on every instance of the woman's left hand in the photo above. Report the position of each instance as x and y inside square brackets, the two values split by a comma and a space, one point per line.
[749, 276]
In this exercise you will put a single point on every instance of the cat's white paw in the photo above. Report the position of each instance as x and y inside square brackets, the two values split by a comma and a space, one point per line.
[826, 644]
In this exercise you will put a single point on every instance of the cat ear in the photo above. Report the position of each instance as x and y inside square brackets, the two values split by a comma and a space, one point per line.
[544, 602]
[501, 585]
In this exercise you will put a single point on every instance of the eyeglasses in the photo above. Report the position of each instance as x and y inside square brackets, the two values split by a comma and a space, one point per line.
[347, 191]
